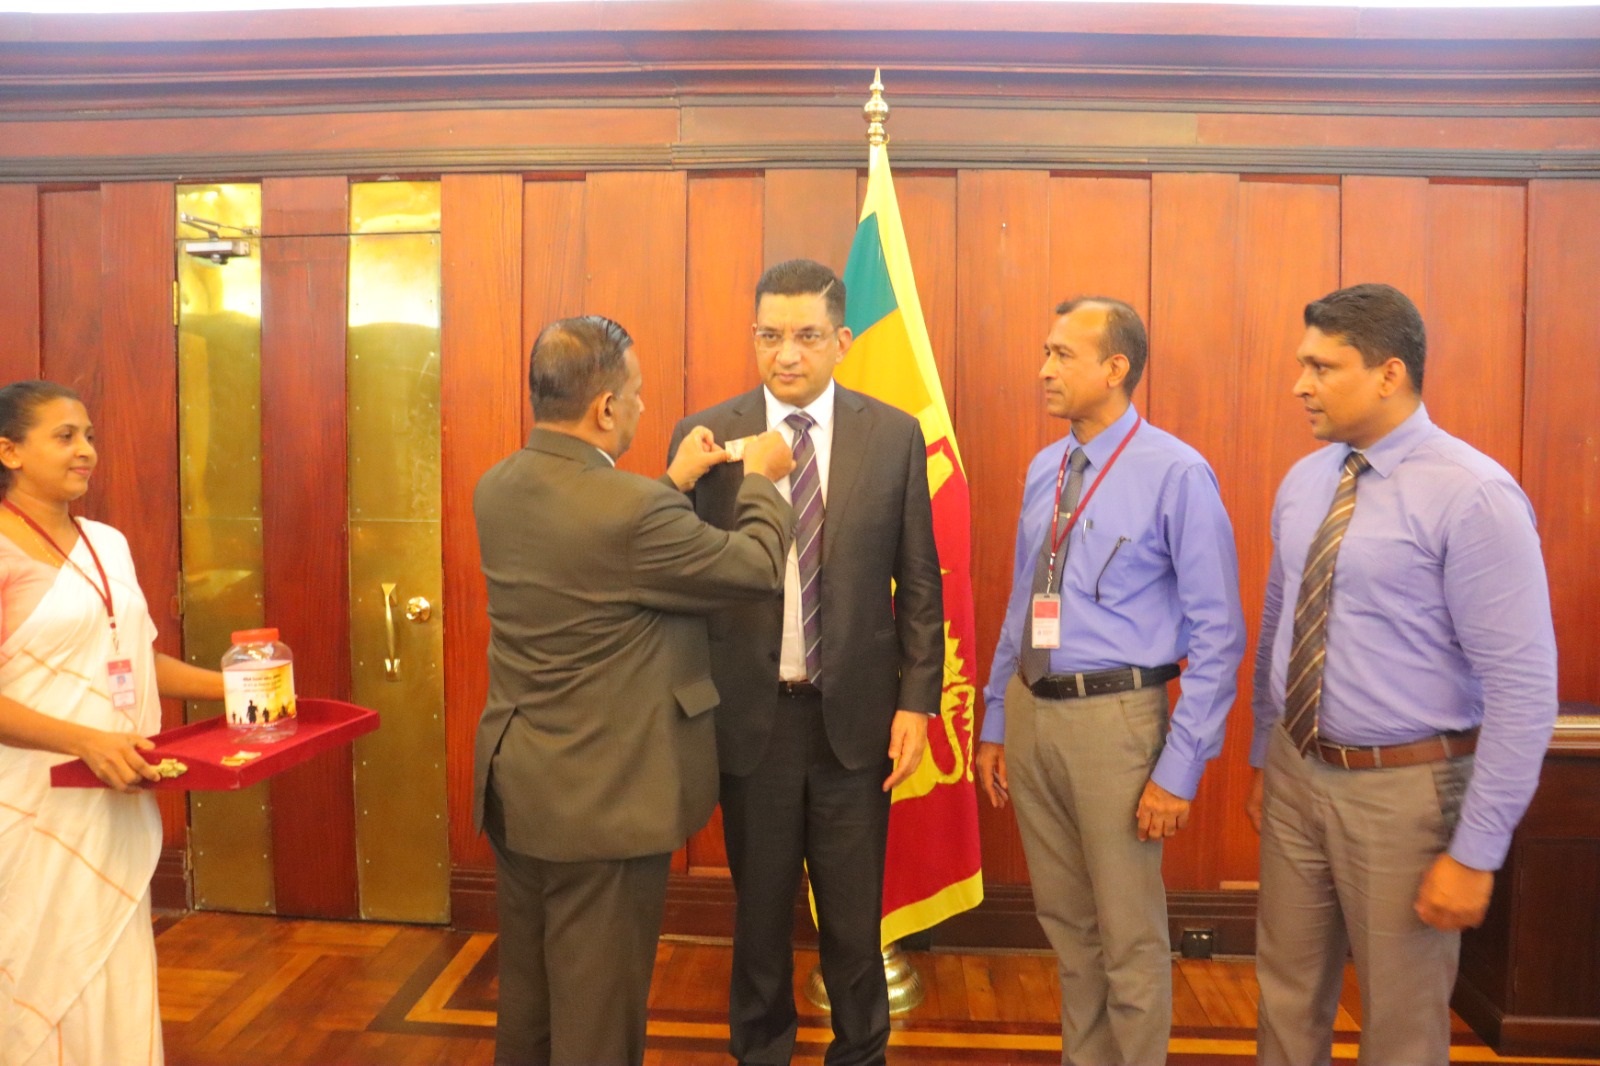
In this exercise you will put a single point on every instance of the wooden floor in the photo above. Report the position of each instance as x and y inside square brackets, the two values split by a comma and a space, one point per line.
[250, 991]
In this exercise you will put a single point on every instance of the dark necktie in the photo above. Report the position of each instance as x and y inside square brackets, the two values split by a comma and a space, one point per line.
[1310, 651]
[1036, 661]
[805, 493]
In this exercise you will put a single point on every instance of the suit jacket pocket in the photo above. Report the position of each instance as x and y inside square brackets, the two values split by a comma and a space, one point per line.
[697, 697]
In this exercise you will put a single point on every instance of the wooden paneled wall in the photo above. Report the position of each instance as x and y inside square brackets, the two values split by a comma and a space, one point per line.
[1506, 274]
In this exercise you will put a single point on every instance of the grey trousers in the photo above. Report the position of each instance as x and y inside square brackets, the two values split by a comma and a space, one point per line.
[1077, 768]
[1343, 853]
[577, 949]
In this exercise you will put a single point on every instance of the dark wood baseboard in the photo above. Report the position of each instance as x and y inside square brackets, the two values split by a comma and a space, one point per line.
[703, 907]
[169, 888]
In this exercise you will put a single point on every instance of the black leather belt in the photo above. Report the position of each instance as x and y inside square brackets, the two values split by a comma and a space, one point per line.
[1102, 682]
[798, 689]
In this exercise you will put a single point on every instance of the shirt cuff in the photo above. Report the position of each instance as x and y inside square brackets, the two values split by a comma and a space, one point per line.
[1260, 740]
[1479, 849]
[994, 724]
[1178, 775]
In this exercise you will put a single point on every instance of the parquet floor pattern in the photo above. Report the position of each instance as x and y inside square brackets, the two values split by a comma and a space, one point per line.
[248, 991]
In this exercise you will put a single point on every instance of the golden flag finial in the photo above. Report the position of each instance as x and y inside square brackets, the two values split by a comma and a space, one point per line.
[877, 112]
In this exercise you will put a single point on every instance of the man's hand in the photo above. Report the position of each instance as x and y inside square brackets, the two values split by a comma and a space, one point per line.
[1161, 814]
[115, 759]
[770, 457]
[992, 772]
[1454, 896]
[908, 737]
[697, 453]
[1252, 802]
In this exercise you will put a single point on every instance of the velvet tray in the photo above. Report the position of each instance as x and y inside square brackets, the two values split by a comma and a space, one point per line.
[324, 724]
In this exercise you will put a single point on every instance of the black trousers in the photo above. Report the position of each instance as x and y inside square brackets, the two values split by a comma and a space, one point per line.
[577, 948]
[800, 805]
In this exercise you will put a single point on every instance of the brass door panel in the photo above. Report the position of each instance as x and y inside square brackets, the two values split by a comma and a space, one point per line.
[393, 345]
[218, 310]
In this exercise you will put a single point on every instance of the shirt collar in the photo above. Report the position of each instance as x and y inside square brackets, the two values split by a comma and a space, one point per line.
[1107, 440]
[820, 409]
[1394, 446]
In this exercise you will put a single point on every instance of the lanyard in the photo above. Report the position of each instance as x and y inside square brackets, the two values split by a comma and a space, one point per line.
[1061, 476]
[103, 589]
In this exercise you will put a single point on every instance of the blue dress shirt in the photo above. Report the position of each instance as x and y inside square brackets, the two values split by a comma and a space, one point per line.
[1439, 619]
[1151, 576]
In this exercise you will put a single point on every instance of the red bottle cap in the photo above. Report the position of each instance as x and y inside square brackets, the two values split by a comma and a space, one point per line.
[255, 636]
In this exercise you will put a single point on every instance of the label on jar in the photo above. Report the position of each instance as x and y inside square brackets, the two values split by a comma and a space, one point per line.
[258, 695]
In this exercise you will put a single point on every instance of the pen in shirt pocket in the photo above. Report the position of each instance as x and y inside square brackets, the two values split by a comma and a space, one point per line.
[1115, 548]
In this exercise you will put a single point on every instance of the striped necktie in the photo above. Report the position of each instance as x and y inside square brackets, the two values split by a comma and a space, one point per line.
[805, 493]
[1310, 650]
[1034, 663]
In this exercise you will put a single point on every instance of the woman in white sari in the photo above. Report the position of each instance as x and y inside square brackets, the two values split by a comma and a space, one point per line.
[78, 679]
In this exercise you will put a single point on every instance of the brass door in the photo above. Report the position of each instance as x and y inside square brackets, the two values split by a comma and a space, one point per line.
[350, 455]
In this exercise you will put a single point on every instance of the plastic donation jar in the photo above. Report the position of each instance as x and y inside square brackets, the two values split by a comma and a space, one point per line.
[258, 686]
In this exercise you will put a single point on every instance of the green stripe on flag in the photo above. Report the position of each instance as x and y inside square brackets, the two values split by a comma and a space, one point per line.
[869, 292]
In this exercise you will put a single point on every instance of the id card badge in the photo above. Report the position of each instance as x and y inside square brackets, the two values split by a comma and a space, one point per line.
[120, 674]
[1046, 620]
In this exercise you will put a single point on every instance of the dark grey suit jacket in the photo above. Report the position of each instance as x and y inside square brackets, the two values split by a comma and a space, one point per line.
[882, 647]
[596, 727]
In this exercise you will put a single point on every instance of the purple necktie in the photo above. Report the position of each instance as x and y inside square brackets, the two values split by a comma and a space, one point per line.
[805, 493]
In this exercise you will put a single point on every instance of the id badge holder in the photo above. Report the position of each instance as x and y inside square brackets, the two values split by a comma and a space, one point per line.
[1046, 620]
[119, 674]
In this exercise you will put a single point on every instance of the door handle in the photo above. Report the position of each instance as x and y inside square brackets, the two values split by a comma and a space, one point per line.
[391, 663]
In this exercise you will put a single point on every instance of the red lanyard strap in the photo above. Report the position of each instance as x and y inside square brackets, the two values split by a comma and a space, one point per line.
[103, 589]
[1061, 476]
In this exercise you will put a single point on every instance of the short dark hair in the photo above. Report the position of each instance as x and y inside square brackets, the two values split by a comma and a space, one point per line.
[804, 277]
[1379, 321]
[19, 407]
[1124, 334]
[573, 361]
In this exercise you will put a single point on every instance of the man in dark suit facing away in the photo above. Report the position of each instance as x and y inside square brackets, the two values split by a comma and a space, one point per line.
[828, 685]
[596, 756]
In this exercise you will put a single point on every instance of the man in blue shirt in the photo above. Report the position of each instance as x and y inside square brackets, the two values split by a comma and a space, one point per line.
[1125, 564]
[1406, 635]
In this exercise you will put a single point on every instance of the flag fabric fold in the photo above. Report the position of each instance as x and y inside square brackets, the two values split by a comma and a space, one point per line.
[934, 867]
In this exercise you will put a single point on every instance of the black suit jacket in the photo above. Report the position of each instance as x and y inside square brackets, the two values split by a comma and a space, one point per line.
[882, 595]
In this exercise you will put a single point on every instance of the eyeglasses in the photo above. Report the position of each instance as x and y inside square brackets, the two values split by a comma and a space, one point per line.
[811, 340]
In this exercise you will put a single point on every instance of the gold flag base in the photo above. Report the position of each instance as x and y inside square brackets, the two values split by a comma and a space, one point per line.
[905, 986]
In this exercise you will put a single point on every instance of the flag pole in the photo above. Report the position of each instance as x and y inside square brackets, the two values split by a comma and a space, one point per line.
[906, 990]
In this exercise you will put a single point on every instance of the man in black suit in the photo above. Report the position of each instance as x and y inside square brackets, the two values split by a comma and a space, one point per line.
[828, 688]
[596, 756]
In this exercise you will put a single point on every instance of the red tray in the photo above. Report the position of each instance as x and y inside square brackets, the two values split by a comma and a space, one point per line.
[324, 724]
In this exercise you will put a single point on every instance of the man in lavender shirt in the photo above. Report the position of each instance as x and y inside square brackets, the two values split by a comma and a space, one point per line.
[1143, 574]
[1437, 698]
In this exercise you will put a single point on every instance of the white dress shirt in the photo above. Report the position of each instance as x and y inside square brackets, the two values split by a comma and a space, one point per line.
[792, 658]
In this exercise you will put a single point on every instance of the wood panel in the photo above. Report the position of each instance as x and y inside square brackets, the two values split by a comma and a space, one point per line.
[810, 214]
[1195, 295]
[1476, 254]
[1002, 315]
[635, 230]
[1100, 245]
[304, 447]
[724, 264]
[1384, 226]
[553, 257]
[481, 410]
[136, 412]
[69, 295]
[1560, 449]
[1288, 253]
[19, 296]
[305, 207]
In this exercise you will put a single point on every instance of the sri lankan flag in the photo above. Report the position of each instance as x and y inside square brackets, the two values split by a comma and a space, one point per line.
[934, 867]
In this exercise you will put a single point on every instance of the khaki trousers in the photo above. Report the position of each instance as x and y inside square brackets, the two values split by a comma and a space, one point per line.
[1077, 768]
[1343, 853]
